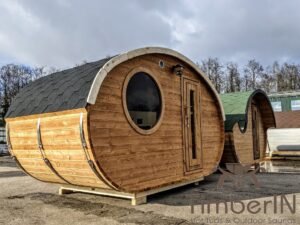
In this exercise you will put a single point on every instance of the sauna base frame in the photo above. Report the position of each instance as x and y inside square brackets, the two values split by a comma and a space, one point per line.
[136, 198]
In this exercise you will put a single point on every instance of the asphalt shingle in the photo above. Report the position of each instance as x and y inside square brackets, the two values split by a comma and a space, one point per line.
[59, 91]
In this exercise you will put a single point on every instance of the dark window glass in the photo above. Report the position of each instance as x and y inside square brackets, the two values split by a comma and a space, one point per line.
[143, 100]
[193, 133]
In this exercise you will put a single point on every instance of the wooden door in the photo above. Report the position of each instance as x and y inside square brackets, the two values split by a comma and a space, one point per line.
[191, 121]
[255, 131]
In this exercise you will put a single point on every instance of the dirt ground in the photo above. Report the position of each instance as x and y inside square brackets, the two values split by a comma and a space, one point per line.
[26, 201]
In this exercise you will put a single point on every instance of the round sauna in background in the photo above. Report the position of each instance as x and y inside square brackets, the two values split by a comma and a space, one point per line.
[147, 119]
[248, 117]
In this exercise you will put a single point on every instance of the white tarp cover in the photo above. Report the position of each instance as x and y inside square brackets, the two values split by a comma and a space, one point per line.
[287, 139]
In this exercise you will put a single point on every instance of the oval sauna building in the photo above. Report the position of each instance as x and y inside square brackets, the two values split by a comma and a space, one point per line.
[248, 116]
[144, 120]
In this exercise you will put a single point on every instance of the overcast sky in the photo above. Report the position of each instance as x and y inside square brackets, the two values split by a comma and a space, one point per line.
[61, 33]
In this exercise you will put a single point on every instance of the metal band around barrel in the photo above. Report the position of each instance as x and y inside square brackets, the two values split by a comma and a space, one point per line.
[13, 156]
[41, 148]
[8, 140]
[90, 162]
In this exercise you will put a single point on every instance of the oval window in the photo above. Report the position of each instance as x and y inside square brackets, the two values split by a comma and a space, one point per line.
[143, 100]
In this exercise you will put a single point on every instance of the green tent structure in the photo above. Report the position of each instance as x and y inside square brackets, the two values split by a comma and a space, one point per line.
[248, 116]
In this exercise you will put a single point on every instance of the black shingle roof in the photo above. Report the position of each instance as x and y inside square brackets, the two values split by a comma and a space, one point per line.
[67, 89]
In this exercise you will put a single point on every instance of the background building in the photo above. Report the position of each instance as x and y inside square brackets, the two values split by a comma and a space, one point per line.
[285, 140]
[286, 106]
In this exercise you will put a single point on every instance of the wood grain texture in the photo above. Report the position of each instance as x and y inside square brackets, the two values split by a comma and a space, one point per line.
[238, 145]
[137, 162]
[126, 159]
[243, 142]
[229, 153]
[61, 143]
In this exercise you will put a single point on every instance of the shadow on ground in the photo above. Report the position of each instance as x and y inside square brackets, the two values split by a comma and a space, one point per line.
[206, 192]
[6, 161]
[12, 174]
[97, 208]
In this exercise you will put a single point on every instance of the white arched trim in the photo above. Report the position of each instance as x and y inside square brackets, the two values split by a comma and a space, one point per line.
[113, 62]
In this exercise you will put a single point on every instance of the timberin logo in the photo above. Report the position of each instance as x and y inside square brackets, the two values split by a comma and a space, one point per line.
[238, 173]
[278, 204]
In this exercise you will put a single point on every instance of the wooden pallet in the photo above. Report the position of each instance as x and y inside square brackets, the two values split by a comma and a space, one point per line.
[136, 198]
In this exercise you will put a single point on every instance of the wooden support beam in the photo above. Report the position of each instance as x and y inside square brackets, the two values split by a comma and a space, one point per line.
[63, 191]
[139, 200]
[136, 198]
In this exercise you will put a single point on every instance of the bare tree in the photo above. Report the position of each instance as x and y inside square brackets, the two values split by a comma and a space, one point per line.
[268, 81]
[290, 73]
[287, 76]
[233, 80]
[213, 68]
[252, 73]
[12, 78]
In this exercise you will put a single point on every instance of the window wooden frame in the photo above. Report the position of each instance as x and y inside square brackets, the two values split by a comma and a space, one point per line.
[191, 165]
[150, 73]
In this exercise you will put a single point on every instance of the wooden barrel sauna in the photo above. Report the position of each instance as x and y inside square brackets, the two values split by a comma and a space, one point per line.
[248, 116]
[143, 120]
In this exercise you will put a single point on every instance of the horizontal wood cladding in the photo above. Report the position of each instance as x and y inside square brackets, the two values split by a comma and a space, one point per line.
[137, 162]
[60, 137]
[229, 154]
[125, 159]
[243, 142]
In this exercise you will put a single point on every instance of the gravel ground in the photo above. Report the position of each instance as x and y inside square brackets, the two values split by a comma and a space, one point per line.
[24, 200]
